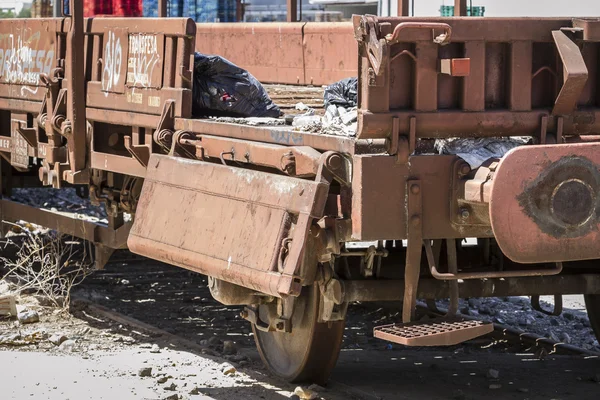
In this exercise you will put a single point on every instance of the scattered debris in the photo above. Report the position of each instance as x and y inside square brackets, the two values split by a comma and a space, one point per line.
[57, 339]
[228, 369]
[495, 386]
[305, 393]
[145, 372]
[476, 151]
[162, 379]
[229, 347]
[301, 107]
[11, 339]
[493, 374]
[28, 317]
[342, 93]
[155, 349]
[8, 305]
[317, 388]
[214, 341]
[194, 391]
[565, 338]
[252, 121]
[170, 387]
[67, 346]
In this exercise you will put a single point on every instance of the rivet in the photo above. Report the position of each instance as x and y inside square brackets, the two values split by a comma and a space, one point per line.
[415, 220]
[465, 169]
[415, 189]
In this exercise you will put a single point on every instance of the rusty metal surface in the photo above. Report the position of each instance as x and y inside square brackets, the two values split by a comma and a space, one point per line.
[393, 290]
[575, 74]
[455, 275]
[517, 69]
[257, 222]
[419, 78]
[66, 223]
[270, 134]
[550, 210]
[270, 52]
[137, 70]
[375, 201]
[294, 53]
[329, 53]
[28, 48]
[435, 332]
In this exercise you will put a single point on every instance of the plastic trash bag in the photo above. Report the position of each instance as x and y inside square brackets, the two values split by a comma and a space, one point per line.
[476, 151]
[342, 93]
[222, 89]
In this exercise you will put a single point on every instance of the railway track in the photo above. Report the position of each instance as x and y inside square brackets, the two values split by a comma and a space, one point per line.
[181, 307]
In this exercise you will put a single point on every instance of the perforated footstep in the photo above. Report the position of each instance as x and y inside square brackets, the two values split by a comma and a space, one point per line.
[434, 332]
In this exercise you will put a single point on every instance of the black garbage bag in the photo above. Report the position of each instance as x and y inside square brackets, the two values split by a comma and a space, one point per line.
[222, 89]
[342, 93]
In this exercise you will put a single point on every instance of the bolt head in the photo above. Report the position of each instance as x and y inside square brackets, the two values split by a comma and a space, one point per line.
[415, 189]
[465, 169]
[464, 213]
[415, 220]
[334, 162]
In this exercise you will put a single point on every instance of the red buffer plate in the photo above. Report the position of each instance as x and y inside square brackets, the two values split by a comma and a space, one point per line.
[545, 203]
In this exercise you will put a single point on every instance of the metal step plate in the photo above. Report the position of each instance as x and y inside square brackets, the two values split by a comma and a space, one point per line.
[434, 332]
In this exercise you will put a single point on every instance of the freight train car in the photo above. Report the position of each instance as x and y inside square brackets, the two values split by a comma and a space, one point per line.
[269, 213]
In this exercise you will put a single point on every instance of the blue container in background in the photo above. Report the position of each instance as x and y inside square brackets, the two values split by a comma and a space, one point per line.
[198, 10]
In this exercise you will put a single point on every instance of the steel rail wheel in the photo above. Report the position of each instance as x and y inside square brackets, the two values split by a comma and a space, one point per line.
[310, 351]
[592, 305]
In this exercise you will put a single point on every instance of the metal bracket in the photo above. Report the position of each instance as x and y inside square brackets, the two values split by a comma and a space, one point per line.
[180, 147]
[334, 166]
[163, 135]
[558, 305]
[442, 39]
[575, 74]
[52, 175]
[377, 49]
[332, 306]
[140, 152]
[399, 144]
[101, 255]
[29, 134]
[414, 249]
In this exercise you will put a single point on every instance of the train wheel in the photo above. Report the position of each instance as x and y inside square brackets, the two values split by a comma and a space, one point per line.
[592, 304]
[310, 351]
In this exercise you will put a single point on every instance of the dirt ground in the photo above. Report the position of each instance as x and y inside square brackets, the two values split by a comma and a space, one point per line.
[103, 359]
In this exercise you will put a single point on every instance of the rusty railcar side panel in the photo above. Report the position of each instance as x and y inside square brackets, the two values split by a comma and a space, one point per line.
[329, 53]
[137, 64]
[379, 192]
[32, 53]
[28, 48]
[515, 75]
[293, 53]
[245, 227]
[272, 52]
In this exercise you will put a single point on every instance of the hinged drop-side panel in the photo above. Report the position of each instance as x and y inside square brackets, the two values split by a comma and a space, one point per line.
[242, 226]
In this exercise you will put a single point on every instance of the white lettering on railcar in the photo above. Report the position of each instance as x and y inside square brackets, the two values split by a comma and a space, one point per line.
[22, 60]
[113, 59]
[143, 58]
